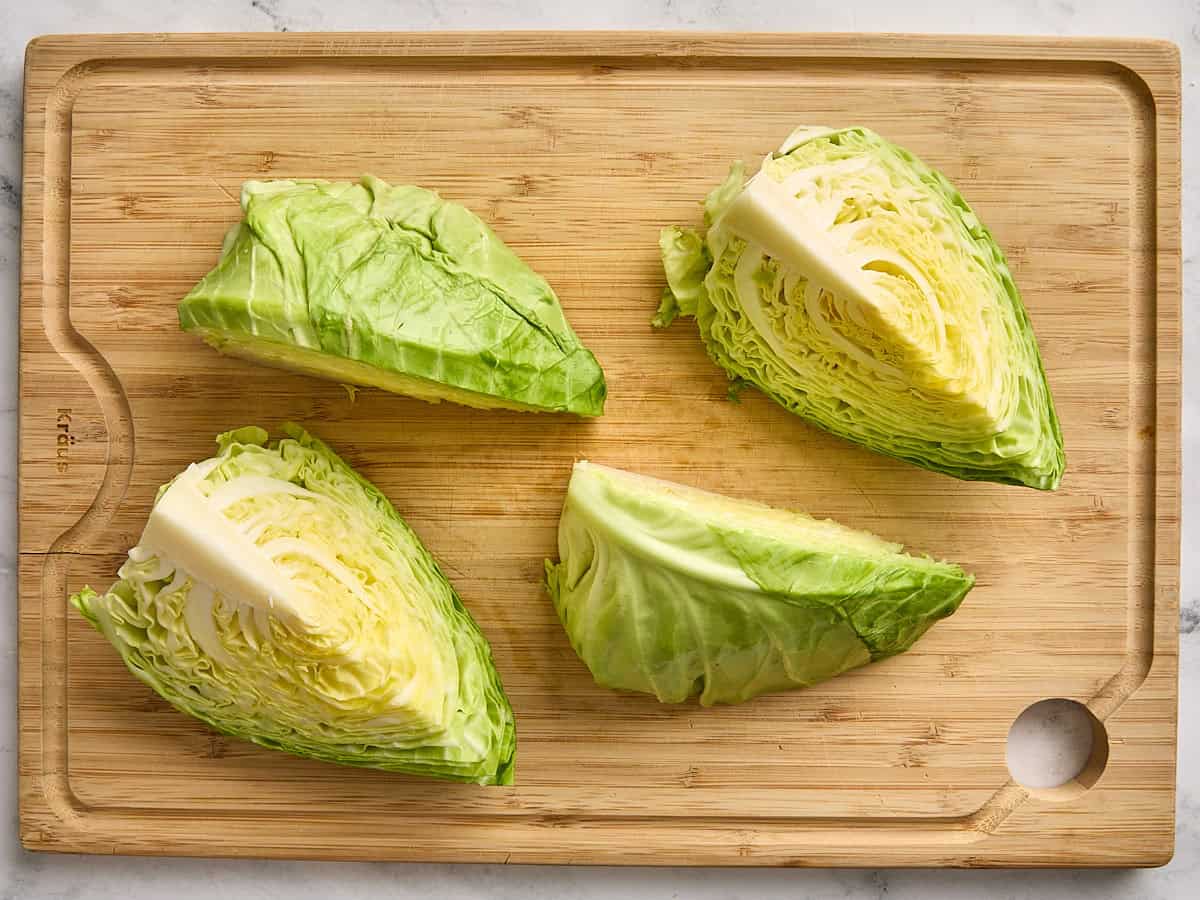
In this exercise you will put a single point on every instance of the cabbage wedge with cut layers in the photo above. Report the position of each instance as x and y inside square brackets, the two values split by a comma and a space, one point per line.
[853, 284]
[278, 596]
[677, 592]
[390, 287]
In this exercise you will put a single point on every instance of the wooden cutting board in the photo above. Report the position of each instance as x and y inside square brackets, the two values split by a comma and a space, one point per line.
[577, 148]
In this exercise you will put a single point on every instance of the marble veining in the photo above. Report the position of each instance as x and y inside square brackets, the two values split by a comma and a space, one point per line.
[27, 875]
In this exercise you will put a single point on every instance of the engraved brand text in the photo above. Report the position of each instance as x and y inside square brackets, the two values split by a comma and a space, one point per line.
[63, 440]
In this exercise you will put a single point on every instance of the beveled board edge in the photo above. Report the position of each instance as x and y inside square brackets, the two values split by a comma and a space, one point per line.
[52, 818]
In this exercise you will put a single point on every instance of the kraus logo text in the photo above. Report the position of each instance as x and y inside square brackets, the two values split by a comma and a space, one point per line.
[63, 440]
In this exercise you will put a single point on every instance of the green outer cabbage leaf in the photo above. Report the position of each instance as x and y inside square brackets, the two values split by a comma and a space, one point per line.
[678, 592]
[855, 286]
[279, 597]
[391, 287]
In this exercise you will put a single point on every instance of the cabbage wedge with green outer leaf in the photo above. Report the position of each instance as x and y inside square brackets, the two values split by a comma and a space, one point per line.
[677, 592]
[390, 287]
[854, 285]
[277, 595]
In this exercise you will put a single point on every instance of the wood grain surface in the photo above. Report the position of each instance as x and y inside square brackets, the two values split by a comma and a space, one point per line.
[577, 148]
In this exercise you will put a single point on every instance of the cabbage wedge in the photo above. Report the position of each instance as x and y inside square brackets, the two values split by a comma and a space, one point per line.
[854, 285]
[277, 595]
[390, 287]
[678, 592]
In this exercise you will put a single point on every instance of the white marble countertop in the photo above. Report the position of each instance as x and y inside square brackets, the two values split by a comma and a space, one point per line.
[24, 874]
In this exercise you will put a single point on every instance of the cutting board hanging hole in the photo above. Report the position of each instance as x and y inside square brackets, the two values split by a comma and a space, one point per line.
[1057, 749]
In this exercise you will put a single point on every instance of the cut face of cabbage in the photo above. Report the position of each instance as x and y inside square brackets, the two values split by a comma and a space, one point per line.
[395, 288]
[278, 596]
[854, 285]
[678, 592]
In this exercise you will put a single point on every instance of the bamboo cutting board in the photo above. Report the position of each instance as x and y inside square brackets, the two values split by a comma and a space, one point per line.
[577, 147]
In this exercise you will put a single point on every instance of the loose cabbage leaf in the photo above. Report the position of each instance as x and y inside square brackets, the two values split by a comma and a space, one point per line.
[390, 287]
[277, 595]
[677, 592]
[855, 286]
